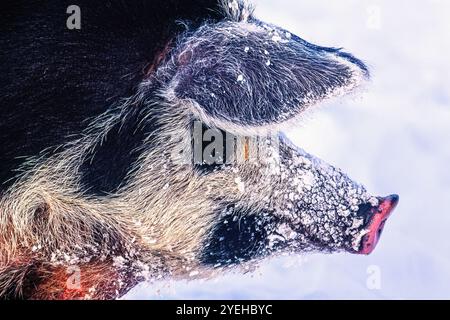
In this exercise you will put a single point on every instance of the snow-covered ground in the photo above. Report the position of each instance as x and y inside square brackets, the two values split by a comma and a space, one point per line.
[394, 139]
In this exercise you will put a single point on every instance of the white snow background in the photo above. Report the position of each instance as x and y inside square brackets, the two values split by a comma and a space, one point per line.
[395, 138]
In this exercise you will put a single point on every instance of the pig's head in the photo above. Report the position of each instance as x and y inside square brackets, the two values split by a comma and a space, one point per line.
[239, 82]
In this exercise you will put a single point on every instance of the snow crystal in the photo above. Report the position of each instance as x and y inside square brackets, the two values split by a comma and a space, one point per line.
[308, 179]
[273, 239]
[374, 202]
[193, 273]
[233, 5]
[276, 38]
[240, 184]
[36, 247]
[119, 261]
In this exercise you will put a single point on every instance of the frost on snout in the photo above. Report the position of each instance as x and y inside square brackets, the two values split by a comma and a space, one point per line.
[320, 207]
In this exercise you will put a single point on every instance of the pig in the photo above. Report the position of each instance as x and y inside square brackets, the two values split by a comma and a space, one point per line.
[146, 143]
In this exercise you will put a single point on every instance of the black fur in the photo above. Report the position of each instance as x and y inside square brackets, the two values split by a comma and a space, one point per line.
[54, 79]
[238, 237]
[108, 165]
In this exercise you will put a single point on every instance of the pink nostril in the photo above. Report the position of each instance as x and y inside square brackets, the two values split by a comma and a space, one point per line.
[376, 223]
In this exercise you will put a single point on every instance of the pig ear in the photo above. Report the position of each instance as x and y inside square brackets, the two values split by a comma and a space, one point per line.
[256, 82]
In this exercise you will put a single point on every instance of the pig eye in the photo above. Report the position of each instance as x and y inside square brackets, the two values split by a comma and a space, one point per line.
[214, 148]
[209, 147]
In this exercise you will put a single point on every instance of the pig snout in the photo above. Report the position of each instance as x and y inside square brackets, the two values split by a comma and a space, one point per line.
[326, 209]
[376, 218]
